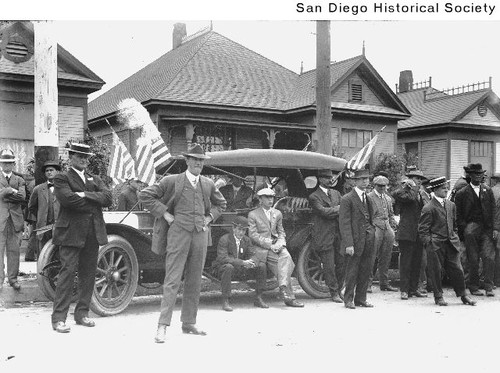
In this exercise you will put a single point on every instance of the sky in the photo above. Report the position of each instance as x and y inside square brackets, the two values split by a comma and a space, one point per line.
[453, 53]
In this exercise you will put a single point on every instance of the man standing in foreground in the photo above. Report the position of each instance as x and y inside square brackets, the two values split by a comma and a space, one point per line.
[437, 229]
[358, 234]
[184, 205]
[78, 231]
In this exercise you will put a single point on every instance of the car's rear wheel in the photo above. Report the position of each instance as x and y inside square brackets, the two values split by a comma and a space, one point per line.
[116, 277]
[310, 273]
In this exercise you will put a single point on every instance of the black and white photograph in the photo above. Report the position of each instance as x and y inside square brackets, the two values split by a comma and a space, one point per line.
[232, 191]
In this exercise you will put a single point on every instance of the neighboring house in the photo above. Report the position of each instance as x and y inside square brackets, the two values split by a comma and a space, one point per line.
[75, 83]
[214, 91]
[450, 128]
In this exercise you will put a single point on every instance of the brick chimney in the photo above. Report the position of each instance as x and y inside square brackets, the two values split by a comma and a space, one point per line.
[178, 34]
[405, 81]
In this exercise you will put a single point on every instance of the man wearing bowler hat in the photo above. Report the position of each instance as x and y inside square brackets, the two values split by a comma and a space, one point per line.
[43, 205]
[184, 205]
[12, 196]
[358, 234]
[236, 256]
[79, 229]
[325, 204]
[478, 228]
[437, 229]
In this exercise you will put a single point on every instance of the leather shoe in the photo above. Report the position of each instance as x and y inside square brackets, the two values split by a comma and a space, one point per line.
[363, 304]
[388, 288]
[16, 286]
[336, 298]
[404, 295]
[440, 301]
[259, 302]
[417, 294]
[85, 321]
[192, 329]
[350, 305]
[293, 303]
[490, 293]
[61, 327]
[467, 300]
[161, 333]
[226, 306]
[284, 293]
[477, 293]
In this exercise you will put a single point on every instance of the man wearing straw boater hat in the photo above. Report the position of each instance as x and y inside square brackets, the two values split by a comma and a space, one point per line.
[438, 232]
[477, 227]
[79, 229]
[184, 205]
[12, 195]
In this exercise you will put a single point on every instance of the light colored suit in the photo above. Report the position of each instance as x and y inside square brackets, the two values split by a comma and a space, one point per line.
[264, 233]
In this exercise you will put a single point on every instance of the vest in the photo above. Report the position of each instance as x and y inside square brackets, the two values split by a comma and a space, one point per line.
[189, 211]
[476, 213]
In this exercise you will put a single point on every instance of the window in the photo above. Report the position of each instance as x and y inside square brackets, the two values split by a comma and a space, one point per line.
[355, 91]
[214, 138]
[481, 148]
[355, 138]
[411, 148]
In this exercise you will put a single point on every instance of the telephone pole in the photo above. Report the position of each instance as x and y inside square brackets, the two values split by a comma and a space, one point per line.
[323, 103]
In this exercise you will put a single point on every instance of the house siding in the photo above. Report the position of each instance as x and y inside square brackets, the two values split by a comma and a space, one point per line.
[71, 124]
[459, 157]
[473, 117]
[433, 158]
[342, 93]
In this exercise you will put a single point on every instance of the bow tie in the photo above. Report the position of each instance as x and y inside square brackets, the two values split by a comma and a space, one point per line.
[50, 185]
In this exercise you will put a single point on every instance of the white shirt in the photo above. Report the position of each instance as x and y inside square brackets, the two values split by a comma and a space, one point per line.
[360, 193]
[476, 188]
[440, 200]
[80, 173]
[238, 250]
[7, 175]
[324, 189]
[192, 178]
[268, 213]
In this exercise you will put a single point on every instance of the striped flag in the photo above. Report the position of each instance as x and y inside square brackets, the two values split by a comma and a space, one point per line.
[121, 166]
[145, 164]
[362, 157]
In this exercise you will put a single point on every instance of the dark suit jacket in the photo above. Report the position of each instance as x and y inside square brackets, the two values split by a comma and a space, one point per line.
[39, 206]
[325, 219]
[355, 222]
[238, 201]
[465, 200]
[77, 214]
[410, 206]
[227, 252]
[128, 199]
[11, 204]
[161, 197]
[438, 224]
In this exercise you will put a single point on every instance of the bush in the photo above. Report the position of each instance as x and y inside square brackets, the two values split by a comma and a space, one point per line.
[394, 165]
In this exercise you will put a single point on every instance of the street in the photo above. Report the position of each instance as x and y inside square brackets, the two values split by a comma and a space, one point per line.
[396, 335]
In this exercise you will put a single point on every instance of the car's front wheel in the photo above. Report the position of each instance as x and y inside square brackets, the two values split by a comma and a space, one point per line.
[310, 273]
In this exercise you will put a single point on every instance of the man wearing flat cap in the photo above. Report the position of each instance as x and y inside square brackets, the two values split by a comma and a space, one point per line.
[236, 257]
[184, 205]
[268, 235]
[357, 233]
[437, 228]
[43, 205]
[478, 228]
[12, 196]
[325, 204]
[384, 222]
[79, 229]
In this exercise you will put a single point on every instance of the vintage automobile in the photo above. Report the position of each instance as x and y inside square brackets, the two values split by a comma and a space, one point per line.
[127, 261]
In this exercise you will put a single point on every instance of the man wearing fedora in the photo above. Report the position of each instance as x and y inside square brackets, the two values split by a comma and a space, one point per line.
[12, 196]
[236, 257]
[43, 205]
[357, 233]
[384, 222]
[438, 232]
[478, 228]
[79, 229]
[184, 205]
[410, 202]
[325, 204]
[265, 228]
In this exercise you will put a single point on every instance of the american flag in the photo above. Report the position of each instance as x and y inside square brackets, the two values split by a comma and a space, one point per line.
[121, 165]
[145, 164]
[362, 157]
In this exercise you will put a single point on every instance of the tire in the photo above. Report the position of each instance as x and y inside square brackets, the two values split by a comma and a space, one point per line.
[48, 266]
[116, 277]
[310, 273]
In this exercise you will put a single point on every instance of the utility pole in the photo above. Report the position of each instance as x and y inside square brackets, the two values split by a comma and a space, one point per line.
[323, 101]
[46, 98]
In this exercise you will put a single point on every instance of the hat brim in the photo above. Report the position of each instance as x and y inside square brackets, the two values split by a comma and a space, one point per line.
[56, 166]
[198, 156]
[417, 175]
[438, 185]
[8, 160]
[79, 152]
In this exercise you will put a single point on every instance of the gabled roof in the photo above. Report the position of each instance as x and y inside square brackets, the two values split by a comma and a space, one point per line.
[438, 110]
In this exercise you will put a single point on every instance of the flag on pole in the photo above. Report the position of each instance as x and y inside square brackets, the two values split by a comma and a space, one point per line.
[121, 166]
[362, 157]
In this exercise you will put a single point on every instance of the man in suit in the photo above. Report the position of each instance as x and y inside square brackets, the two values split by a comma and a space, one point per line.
[410, 203]
[357, 233]
[43, 206]
[236, 256]
[237, 194]
[12, 196]
[267, 233]
[477, 227]
[325, 204]
[437, 229]
[79, 229]
[128, 198]
[495, 182]
[383, 220]
[184, 205]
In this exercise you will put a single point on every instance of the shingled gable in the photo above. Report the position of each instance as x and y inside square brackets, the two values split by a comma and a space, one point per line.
[71, 71]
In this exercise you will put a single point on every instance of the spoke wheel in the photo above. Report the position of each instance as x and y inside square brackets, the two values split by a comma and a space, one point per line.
[310, 273]
[116, 277]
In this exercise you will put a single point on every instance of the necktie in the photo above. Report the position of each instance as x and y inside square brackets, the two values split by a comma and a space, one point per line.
[195, 182]
[363, 198]
[8, 179]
